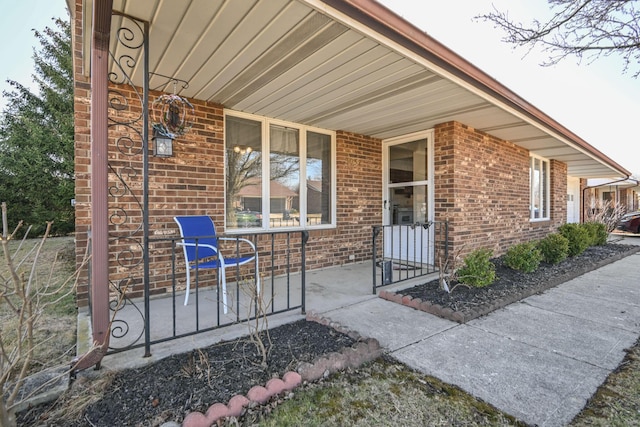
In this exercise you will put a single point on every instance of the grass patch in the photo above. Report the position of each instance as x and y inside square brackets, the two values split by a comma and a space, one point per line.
[617, 400]
[382, 393]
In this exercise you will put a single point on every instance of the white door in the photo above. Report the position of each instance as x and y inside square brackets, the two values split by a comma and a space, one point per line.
[573, 199]
[408, 197]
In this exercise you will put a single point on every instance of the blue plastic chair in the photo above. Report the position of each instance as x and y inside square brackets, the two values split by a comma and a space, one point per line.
[200, 245]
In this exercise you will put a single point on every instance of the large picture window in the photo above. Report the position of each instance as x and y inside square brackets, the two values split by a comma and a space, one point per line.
[539, 188]
[278, 175]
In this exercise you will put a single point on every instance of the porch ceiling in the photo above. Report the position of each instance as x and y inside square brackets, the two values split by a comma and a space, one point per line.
[317, 62]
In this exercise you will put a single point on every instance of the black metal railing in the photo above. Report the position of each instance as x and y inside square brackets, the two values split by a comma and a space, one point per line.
[403, 252]
[281, 287]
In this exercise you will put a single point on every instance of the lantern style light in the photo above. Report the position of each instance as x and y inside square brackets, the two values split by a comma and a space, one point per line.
[162, 144]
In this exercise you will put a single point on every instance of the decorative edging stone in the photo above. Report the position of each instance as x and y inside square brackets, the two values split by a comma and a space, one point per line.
[462, 317]
[365, 350]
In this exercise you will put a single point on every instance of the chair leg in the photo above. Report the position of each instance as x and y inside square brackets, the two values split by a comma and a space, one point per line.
[186, 295]
[223, 279]
[257, 276]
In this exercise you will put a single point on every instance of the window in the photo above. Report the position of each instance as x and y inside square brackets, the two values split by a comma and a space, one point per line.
[609, 196]
[539, 188]
[278, 175]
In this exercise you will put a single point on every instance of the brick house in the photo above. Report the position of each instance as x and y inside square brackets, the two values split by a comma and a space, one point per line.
[622, 192]
[384, 124]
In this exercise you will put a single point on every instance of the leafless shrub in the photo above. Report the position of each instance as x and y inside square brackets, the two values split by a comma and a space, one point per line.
[605, 212]
[257, 310]
[25, 299]
[257, 319]
[448, 271]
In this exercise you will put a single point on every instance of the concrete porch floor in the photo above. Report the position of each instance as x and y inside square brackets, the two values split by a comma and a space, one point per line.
[326, 290]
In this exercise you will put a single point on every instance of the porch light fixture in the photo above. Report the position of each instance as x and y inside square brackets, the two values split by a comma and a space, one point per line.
[162, 144]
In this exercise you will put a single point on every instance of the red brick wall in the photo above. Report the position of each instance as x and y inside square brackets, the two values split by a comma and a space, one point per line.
[481, 187]
[192, 182]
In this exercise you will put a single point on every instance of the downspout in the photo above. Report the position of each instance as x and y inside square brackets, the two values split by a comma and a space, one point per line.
[99, 171]
[584, 192]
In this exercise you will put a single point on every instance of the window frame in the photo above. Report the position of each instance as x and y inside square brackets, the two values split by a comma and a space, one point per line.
[265, 123]
[545, 188]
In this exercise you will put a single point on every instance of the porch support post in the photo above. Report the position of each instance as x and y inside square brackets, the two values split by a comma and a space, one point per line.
[99, 170]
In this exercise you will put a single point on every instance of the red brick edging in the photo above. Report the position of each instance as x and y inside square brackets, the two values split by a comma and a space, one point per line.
[365, 350]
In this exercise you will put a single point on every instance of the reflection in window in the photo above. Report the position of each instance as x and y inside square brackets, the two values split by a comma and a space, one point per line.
[284, 164]
[291, 198]
[318, 178]
[243, 140]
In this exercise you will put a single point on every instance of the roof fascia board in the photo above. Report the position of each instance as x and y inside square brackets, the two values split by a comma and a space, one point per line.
[381, 24]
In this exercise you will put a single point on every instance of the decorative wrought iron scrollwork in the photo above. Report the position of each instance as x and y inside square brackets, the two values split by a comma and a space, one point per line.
[126, 328]
[127, 112]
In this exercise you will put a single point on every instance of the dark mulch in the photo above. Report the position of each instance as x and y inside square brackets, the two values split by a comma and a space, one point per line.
[512, 285]
[171, 388]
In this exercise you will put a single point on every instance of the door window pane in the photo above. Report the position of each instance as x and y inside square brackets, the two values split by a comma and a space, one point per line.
[408, 162]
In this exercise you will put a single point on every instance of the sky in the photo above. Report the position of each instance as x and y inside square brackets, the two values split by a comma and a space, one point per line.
[17, 21]
[595, 101]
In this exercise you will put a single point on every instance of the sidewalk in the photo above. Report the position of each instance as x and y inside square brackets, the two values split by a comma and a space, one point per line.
[539, 360]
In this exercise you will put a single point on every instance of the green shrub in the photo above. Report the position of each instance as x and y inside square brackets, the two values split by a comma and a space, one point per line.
[523, 257]
[591, 232]
[554, 248]
[478, 270]
[578, 237]
[597, 233]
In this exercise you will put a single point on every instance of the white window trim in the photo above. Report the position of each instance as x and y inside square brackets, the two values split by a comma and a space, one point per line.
[265, 121]
[547, 188]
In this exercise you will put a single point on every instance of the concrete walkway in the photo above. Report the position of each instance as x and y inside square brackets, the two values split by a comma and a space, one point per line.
[538, 360]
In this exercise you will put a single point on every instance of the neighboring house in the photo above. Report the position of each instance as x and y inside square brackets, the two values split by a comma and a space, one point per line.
[620, 192]
[281, 197]
[369, 118]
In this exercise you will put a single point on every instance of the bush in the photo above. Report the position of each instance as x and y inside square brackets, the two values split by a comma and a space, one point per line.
[478, 270]
[523, 257]
[554, 248]
[597, 233]
[578, 237]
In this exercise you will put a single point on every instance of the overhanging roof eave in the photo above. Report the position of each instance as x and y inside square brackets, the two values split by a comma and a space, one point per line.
[397, 29]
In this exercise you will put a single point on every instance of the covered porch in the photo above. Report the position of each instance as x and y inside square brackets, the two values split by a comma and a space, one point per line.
[277, 282]
[326, 290]
[339, 77]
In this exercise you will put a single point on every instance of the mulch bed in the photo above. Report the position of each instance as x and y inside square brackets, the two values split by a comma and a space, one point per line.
[191, 382]
[467, 303]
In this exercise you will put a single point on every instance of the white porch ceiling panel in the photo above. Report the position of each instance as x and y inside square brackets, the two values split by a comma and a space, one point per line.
[286, 60]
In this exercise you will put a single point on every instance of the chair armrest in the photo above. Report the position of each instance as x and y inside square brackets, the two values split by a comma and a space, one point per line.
[199, 245]
[239, 239]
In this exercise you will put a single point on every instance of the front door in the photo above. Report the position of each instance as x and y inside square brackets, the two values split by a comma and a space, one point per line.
[408, 197]
[573, 199]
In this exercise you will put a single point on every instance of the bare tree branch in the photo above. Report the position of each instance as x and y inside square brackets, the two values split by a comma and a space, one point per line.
[585, 29]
